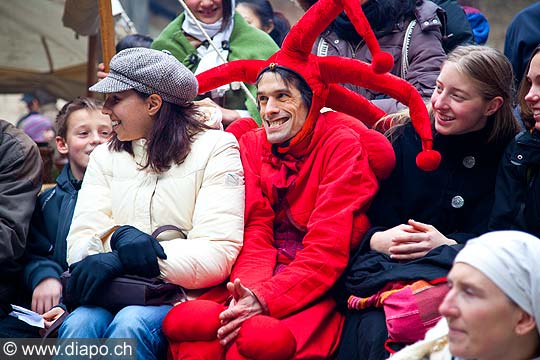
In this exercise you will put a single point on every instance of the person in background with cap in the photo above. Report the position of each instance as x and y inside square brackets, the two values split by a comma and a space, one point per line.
[32, 104]
[34, 124]
[163, 166]
[492, 310]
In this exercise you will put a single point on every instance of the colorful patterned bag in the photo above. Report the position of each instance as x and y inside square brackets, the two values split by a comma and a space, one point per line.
[410, 309]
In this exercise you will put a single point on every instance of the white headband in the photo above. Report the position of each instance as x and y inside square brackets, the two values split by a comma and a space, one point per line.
[511, 259]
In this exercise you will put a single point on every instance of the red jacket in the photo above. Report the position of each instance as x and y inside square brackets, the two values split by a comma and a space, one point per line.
[322, 190]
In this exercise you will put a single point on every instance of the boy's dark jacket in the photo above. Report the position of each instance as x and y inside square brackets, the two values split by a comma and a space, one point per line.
[46, 249]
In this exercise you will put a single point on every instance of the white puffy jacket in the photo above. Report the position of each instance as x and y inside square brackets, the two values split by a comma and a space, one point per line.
[204, 195]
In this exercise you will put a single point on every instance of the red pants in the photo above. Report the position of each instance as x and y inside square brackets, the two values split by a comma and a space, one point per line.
[191, 328]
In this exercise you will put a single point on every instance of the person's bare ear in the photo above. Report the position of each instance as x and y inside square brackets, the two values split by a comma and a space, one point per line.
[62, 145]
[494, 105]
[525, 324]
[268, 28]
[154, 103]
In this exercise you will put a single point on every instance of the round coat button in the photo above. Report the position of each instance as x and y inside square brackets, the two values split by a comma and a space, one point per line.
[457, 202]
[336, 41]
[469, 162]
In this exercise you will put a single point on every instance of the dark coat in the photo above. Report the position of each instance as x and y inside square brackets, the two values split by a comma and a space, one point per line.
[517, 195]
[46, 251]
[456, 198]
[20, 181]
[522, 37]
[371, 271]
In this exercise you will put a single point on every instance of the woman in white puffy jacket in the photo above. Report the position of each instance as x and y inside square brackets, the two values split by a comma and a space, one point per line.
[161, 167]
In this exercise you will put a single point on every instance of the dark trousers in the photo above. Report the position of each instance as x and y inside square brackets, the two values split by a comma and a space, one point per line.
[11, 327]
[364, 335]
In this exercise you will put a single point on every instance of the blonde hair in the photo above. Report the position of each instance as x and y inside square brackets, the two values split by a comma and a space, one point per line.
[391, 125]
[491, 74]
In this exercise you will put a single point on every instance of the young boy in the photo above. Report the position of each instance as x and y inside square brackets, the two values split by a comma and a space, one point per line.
[80, 128]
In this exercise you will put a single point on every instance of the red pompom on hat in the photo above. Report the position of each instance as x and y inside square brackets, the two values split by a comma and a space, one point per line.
[325, 74]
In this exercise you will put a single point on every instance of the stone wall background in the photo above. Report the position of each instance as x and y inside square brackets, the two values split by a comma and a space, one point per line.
[499, 14]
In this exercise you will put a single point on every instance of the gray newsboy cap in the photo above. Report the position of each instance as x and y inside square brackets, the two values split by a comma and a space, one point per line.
[150, 72]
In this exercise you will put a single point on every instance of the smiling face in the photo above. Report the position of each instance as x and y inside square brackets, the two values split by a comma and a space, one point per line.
[533, 96]
[459, 107]
[281, 107]
[206, 11]
[86, 129]
[129, 114]
[481, 318]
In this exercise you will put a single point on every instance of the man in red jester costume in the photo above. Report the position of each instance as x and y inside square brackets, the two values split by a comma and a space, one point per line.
[310, 178]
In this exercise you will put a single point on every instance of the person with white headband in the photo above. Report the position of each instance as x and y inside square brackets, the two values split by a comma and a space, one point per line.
[492, 310]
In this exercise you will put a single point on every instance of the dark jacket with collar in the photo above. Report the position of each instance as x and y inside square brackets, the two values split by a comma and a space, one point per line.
[46, 251]
[425, 54]
[20, 181]
[456, 198]
[517, 195]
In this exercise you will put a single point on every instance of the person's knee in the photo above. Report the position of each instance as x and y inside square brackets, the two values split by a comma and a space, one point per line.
[263, 338]
[86, 321]
[196, 320]
[137, 320]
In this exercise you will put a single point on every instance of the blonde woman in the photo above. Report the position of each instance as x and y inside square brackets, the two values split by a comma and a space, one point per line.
[416, 212]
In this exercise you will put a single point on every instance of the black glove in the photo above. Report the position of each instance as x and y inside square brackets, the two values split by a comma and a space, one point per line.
[90, 274]
[138, 251]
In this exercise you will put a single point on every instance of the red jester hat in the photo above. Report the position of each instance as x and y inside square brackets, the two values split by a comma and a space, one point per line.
[324, 74]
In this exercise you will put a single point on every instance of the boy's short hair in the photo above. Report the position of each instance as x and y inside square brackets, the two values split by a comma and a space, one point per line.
[69, 108]
[134, 40]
